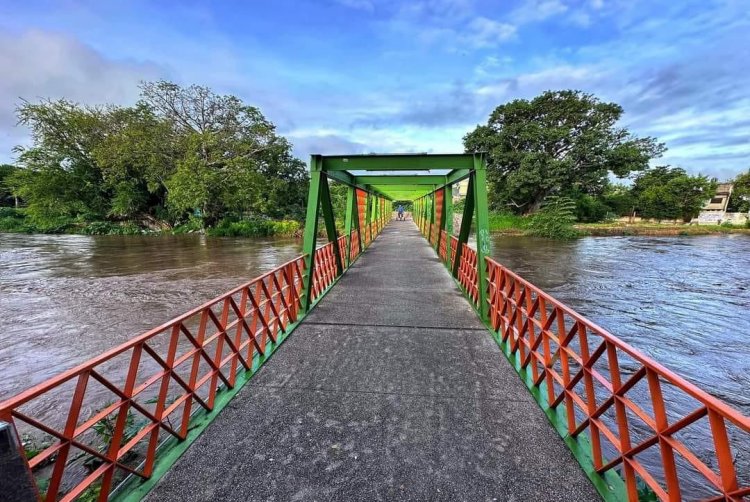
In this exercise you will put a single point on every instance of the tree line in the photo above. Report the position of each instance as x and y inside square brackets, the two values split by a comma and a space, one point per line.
[188, 156]
[179, 154]
[569, 144]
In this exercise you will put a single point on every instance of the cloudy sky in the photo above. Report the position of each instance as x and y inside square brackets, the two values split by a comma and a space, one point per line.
[357, 76]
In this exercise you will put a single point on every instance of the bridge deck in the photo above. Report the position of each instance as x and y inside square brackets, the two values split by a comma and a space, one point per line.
[390, 389]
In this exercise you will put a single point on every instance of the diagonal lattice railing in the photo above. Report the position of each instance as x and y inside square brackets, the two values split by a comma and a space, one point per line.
[660, 433]
[118, 411]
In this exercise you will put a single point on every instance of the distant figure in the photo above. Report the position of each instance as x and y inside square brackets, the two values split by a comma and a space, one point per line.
[400, 211]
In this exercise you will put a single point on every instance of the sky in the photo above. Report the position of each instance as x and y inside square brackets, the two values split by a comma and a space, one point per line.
[362, 76]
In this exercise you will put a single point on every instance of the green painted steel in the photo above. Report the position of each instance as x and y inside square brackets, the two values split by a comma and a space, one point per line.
[330, 222]
[311, 230]
[483, 233]
[351, 212]
[397, 162]
[463, 235]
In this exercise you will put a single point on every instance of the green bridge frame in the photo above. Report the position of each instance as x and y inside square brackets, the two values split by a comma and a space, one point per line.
[398, 177]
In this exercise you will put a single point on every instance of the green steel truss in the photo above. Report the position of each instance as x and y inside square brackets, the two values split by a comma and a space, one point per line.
[397, 177]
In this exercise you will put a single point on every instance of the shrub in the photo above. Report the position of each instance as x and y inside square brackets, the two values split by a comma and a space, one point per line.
[253, 228]
[555, 219]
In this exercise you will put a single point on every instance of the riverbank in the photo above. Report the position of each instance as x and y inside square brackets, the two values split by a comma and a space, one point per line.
[15, 221]
[513, 225]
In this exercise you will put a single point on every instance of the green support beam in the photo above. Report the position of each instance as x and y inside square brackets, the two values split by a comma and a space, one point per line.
[483, 232]
[330, 222]
[351, 215]
[397, 162]
[463, 235]
[311, 230]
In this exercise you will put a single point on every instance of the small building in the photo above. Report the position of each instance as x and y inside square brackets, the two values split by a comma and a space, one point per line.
[720, 201]
[714, 212]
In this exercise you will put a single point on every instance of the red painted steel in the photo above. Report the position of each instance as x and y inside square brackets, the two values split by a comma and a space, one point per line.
[442, 246]
[467, 273]
[172, 371]
[622, 400]
[618, 396]
[362, 214]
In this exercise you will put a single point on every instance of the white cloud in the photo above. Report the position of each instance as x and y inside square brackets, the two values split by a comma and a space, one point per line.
[537, 10]
[486, 32]
[38, 64]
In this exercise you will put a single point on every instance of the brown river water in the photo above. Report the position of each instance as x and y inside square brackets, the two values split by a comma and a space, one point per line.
[685, 301]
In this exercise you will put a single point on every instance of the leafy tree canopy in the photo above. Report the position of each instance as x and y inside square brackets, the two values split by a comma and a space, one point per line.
[558, 142]
[178, 151]
[670, 193]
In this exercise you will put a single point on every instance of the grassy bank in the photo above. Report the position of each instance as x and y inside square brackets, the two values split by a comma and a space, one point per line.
[15, 221]
[655, 229]
[510, 224]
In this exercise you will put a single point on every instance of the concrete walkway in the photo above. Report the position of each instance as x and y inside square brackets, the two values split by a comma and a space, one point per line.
[391, 389]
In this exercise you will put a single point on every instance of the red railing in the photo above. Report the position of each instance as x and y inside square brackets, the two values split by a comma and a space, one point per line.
[651, 426]
[467, 273]
[116, 409]
[639, 416]
[442, 246]
[354, 247]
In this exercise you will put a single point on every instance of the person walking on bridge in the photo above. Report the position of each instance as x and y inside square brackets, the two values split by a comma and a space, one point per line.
[400, 211]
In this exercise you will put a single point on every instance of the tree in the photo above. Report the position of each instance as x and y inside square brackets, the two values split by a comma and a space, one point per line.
[233, 160]
[6, 195]
[560, 141]
[739, 201]
[670, 193]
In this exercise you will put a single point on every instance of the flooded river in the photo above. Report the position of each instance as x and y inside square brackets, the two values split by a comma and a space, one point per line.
[63, 299]
[685, 301]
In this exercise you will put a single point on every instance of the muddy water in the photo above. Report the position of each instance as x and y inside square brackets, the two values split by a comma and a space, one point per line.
[65, 299]
[685, 301]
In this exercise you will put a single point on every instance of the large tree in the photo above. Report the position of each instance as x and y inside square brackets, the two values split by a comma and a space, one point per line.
[233, 159]
[670, 193]
[178, 151]
[557, 143]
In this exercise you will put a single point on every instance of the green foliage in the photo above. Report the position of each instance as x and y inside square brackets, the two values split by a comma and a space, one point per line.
[501, 221]
[558, 142]
[6, 194]
[739, 201]
[590, 209]
[254, 228]
[179, 151]
[555, 219]
[670, 193]
[110, 228]
[105, 428]
[33, 446]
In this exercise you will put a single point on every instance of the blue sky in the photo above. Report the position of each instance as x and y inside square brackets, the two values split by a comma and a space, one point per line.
[358, 76]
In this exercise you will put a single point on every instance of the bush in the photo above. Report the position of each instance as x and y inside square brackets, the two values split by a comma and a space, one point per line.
[555, 219]
[253, 228]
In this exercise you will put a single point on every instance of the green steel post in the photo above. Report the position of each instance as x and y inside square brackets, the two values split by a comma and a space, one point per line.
[483, 232]
[330, 222]
[311, 230]
[351, 200]
[463, 235]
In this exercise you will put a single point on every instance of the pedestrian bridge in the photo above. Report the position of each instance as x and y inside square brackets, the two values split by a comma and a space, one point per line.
[414, 367]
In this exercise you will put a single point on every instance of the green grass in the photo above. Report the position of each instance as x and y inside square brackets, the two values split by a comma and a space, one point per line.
[507, 222]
